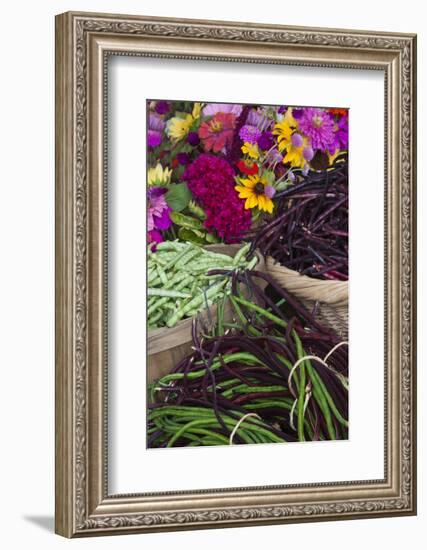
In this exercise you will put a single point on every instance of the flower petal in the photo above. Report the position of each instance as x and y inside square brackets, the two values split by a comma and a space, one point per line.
[269, 205]
[252, 201]
[244, 192]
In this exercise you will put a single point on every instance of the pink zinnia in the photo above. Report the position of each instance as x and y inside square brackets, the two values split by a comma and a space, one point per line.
[317, 125]
[217, 133]
[158, 210]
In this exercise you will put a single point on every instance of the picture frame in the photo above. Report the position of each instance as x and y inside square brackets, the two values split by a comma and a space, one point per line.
[84, 42]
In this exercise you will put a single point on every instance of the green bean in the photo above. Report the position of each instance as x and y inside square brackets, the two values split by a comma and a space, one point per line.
[158, 303]
[242, 318]
[240, 253]
[162, 276]
[262, 311]
[244, 388]
[195, 302]
[318, 393]
[239, 356]
[193, 424]
[330, 401]
[170, 245]
[301, 395]
[166, 293]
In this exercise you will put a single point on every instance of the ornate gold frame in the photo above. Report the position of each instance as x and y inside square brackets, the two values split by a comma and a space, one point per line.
[83, 43]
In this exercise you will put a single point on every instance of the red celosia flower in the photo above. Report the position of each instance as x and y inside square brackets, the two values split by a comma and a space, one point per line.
[247, 166]
[217, 132]
[211, 181]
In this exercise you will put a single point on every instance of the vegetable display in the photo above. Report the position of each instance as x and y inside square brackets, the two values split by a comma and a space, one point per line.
[309, 232]
[261, 366]
[271, 375]
[178, 285]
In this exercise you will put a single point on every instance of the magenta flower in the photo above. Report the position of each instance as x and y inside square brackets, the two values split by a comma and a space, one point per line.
[341, 134]
[211, 181]
[162, 107]
[158, 213]
[265, 141]
[156, 125]
[155, 236]
[250, 133]
[317, 125]
[193, 138]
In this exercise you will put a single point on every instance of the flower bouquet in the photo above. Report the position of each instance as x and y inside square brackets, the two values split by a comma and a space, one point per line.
[216, 170]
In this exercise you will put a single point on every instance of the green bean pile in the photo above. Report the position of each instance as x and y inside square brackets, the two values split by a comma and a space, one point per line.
[178, 284]
[271, 374]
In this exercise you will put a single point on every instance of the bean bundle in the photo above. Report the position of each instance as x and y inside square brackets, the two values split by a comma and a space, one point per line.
[254, 380]
[309, 232]
[178, 285]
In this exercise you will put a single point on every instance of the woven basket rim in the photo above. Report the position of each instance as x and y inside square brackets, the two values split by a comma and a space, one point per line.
[303, 286]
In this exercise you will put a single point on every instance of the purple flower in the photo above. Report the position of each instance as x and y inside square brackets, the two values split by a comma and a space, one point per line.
[154, 138]
[155, 236]
[265, 141]
[249, 133]
[297, 140]
[282, 109]
[193, 138]
[341, 135]
[183, 158]
[156, 125]
[297, 113]
[162, 107]
[212, 109]
[318, 125]
[259, 119]
[155, 122]
[308, 153]
[275, 156]
[269, 191]
[158, 214]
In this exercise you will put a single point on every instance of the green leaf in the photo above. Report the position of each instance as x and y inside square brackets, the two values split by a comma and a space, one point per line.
[186, 221]
[196, 210]
[211, 239]
[178, 196]
[190, 236]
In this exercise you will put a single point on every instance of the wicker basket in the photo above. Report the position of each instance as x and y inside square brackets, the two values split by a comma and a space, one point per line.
[331, 297]
[168, 346]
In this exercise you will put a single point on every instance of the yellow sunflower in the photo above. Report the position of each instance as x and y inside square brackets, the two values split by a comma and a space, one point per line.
[295, 151]
[284, 130]
[257, 192]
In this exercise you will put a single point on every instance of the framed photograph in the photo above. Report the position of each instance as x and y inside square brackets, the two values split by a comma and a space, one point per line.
[235, 274]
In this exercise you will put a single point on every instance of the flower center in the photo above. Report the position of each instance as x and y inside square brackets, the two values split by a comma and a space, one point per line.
[317, 121]
[249, 163]
[216, 126]
[259, 188]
